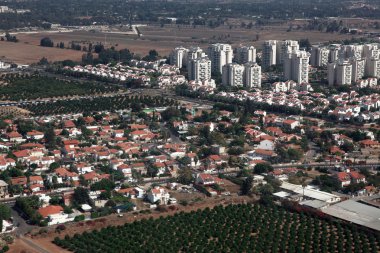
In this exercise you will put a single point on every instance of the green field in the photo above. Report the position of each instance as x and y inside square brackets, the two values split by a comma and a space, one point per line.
[234, 228]
[17, 87]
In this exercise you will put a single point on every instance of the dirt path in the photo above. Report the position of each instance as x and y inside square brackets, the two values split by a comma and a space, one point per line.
[33, 245]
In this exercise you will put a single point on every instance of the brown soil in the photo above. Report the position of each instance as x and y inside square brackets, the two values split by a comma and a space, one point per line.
[163, 39]
[22, 53]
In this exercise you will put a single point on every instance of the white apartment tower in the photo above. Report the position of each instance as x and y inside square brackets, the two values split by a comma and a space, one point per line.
[192, 54]
[245, 54]
[220, 55]
[371, 50]
[358, 68]
[373, 67]
[195, 53]
[269, 53]
[296, 66]
[319, 56]
[233, 74]
[252, 75]
[355, 51]
[178, 57]
[284, 48]
[334, 52]
[200, 69]
[340, 73]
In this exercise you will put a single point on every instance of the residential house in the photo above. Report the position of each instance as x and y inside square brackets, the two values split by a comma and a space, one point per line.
[6, 162]
[158, 194]
[356, 177]
[54, 215]
[344, 178]
[34, 135]
[207, 179]
[266, 145]
[369, 144]
[14, 137]
[21, 181]
[291, 124]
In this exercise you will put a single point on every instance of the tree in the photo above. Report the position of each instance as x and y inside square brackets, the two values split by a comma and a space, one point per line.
[185, 176]
[43, 61]
[50, 138]
[98, 48]
[262, 168]
[305, 43]
[81, 196]
[5, 214]
[170, 113]
[152, 56]
[246, 188]
[10, 38]
[104, 184]
[152, 170]
[46, 42]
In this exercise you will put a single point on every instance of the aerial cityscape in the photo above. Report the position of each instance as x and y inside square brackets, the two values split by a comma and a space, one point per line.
[190, 126]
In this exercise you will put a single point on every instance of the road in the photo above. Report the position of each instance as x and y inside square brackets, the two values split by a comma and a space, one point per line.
[324, 165]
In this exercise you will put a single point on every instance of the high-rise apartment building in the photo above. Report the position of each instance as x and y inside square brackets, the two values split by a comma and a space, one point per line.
[269, 53]
[340, 73]
[245, 54]
[220, 55]
[284, 48]
[334, 52]
[319, 56]
[178, 57]
[233, 74]
[358, 68]
[252, 75]
[200, 69]
[192, 54]
[373, 67]
[371, 50]
[296, 66]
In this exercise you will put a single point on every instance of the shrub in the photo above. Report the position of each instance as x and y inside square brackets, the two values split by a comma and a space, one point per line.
[79, 218]
[60, 227]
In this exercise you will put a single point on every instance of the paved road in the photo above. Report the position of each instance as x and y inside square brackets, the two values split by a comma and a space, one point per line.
[21, 226]
[324, 165]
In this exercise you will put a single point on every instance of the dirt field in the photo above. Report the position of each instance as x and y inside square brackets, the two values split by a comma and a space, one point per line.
[22, 53]
[45, 240]
[162, 39]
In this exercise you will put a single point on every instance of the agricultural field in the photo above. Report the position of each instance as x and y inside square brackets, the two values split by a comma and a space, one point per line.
[25, 52]
[22, 87]
[233, 228]
[86, 105]
[163, 39]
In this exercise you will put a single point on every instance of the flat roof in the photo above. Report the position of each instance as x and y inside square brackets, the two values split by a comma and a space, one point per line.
[356, 212]
[317, 204]
[281, 194]
[310, 192]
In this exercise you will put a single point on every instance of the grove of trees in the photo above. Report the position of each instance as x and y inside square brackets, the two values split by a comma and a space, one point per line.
[20, 87]
[98, 104]
[233, 228]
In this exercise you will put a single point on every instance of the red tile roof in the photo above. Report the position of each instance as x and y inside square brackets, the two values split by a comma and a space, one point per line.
[49, 210]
